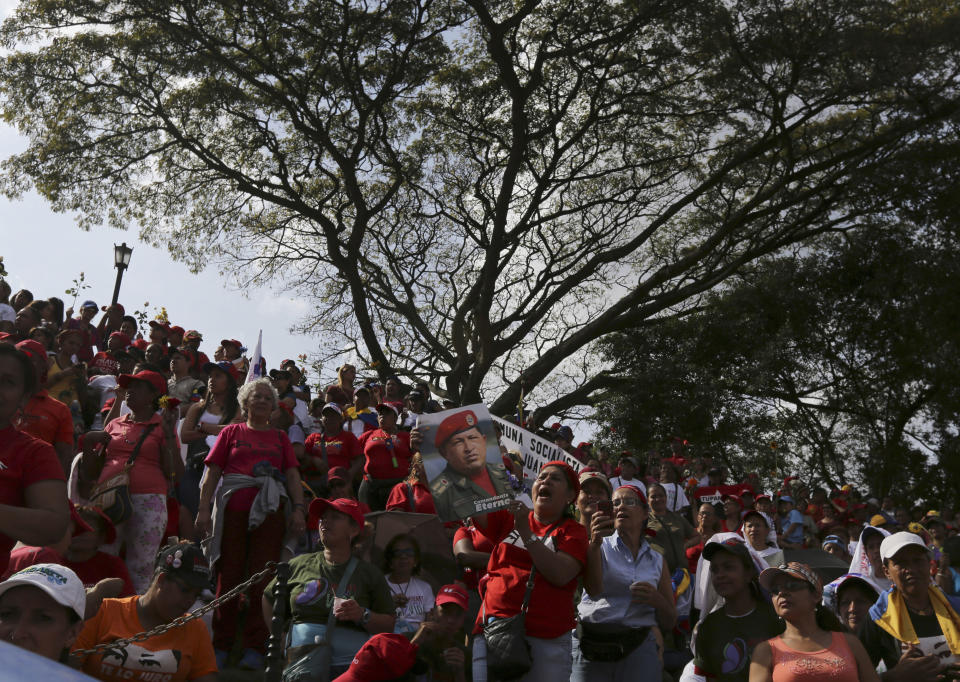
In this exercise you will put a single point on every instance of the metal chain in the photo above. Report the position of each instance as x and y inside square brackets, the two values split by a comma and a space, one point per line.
[271, 568]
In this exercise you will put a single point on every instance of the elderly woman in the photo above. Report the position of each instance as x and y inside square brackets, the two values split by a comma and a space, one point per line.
[144, 444]
[33, 493]
[628, 594]
[260, 478]
[181, 653]
[332, 587]
[756, 530]
[815, 645]
[551, 541]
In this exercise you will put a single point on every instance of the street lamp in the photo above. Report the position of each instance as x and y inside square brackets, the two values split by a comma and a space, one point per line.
[121, 260]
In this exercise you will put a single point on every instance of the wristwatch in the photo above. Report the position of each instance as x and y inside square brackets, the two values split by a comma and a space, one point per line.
[365, 618]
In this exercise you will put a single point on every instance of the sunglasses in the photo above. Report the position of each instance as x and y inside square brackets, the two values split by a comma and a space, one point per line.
[790, 586]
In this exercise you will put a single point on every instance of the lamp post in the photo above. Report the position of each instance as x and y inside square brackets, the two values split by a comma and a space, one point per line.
[121, 260]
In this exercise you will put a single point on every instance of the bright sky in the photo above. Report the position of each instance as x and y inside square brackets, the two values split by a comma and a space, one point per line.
[44, 251]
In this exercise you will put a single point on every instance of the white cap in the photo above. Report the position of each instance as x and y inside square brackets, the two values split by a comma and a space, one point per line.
[58, 581]
[896, 541]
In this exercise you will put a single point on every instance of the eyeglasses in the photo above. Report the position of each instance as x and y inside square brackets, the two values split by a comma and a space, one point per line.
[790, 586]
[626, 502]
[404, 552]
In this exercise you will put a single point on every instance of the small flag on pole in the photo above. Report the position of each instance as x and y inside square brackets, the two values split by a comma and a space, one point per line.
[255, 371]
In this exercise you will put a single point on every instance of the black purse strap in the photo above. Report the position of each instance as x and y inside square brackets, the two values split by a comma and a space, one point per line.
[136, 448]
[533, 571]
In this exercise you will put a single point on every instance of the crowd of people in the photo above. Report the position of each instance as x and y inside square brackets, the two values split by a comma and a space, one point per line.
[140, 479]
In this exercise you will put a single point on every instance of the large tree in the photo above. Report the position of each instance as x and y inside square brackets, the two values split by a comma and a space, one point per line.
[839, 364]
[477, 192]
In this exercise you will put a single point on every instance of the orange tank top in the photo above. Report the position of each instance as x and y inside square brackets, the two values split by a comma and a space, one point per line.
[833, 664]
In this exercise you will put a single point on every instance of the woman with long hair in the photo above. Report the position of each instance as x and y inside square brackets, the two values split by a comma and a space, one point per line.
[156, 463]
[814, 645]
[627, 595]
[203, 423]
[549, 539]
[413, 493]
[725, 637]
[252, 512]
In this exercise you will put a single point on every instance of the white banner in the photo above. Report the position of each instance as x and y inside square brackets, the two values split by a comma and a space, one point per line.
[536, 451]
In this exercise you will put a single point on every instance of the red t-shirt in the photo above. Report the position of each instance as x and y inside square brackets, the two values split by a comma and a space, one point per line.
[24, 460]
[342, 448]
[387, 456]
[105, 363]
[146, 476]
[399, 499]
[472, 577]
[550, 612]
[101, 565]
[48, 419]
[239, 449]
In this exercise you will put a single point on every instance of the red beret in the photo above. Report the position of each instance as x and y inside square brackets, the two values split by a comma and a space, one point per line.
[455, 423]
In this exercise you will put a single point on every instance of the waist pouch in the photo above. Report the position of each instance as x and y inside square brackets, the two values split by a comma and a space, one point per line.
[608, 642]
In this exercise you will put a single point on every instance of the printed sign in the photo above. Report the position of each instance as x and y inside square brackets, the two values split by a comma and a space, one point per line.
[463, 463]
[536, 451]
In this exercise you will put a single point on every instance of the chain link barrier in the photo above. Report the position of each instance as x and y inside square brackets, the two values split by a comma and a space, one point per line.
[269, 570]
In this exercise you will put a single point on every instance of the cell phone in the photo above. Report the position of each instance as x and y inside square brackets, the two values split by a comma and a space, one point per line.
[606, 507]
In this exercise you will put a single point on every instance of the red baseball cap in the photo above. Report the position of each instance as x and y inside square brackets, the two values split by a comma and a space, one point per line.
[176, 329]
[231, 342]
[453, 594]
[155, 379]
[454, 424]
[34, 350]
[383, 657]
[109, 530]
[349, 507]
[338, 474]
[735, 498]
[139, 344]
[124, 339]
[79, 525]
[157, 324]
[388, 406]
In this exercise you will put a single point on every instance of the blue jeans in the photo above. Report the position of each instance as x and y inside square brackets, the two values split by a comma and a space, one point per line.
[642, 665]
[550, 657]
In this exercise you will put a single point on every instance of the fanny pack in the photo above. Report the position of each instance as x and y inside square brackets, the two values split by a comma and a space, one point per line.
[609, 642]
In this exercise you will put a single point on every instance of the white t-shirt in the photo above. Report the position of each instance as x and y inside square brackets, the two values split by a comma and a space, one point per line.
[676, 499]
[618, 481]
[7, 313]
[419, 596]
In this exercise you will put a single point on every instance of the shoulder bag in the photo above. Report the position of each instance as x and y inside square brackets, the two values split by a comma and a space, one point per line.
[113, 494]
[311, 662]
[508, 654]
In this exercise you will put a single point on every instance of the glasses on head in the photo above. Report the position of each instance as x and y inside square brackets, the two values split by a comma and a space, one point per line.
[790, 586]
[626, 502]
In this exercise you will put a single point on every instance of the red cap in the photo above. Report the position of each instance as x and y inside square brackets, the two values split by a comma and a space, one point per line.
[155, 379]
[33, 350]
[338, 474]
[383, 657]
[453, 594]
[157, 324]
[109, 530]
[568, 471]
[735, 498]
[389, 406]
[178, 330]
[454, 424]
[139, 344]
[187, 353]
[124, 339]
[349, 507]
[231, 342]
[763, 496]
[79, 525]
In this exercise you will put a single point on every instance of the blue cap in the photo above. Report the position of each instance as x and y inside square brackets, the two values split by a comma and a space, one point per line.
[89, 304]
[786, 498]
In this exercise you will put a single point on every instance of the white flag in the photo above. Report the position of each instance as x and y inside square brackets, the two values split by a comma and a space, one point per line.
[254, 372]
